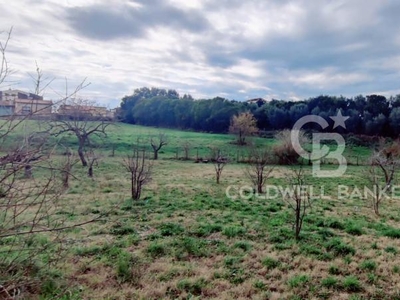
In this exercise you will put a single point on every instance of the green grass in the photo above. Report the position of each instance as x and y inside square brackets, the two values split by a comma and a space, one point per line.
[186, 239]
[298, 280]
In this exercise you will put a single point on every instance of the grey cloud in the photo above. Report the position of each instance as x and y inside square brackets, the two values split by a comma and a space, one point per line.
[334, 38]
[106, 22]
[321, 45]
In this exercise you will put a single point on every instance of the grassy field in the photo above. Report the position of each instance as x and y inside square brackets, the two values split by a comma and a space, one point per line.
[187, 240]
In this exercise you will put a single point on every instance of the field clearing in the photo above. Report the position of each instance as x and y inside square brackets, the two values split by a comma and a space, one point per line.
[187, 240]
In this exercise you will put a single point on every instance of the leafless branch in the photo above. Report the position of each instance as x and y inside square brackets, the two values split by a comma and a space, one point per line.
[84, 120]
[259, 169]
[298, 198]
[40, 83]
[140, 169]
[4, 68]
[383, 167]
[219, 164]
[157, 143]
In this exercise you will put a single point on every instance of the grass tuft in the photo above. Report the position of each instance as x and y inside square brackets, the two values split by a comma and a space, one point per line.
[351, 284]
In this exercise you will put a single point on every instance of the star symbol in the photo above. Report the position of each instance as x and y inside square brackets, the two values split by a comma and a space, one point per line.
[339, 120]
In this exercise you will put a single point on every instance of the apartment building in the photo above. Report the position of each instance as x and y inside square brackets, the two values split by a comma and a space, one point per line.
[17, 102]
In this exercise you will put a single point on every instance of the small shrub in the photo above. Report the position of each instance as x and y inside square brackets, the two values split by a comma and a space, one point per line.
[260, 285]
[245, 246]
[329, 282]
[273, 208]
[156, 250]
[195, 288]
[334, 270]
[235, 275]
[271, 263]
[280, 236]
[231, 261]
[354, 229]
[325, 233]
[339, 248]
[49, 287]
[283, 246]
[284, 150]
[334, 224]
[391, 249]
[368, 265]
[392, 233]
[351, 284]
[298, 280]
[128, 269]
[372, 278]
[89, 251]
[347, 259]
[233, 231]
[310, 249]
[107, 190]
[121, 229]
[191, 246]
[170, 229]
[207, 229]
[396, 269]
[169, 275]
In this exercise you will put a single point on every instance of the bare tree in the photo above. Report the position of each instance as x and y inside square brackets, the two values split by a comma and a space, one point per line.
[157, 143]
[383, 167]
[81, 118]
[186, 148]
[219, 164]
[140, 169]
[259, 169]
[29, 205]
[298, 198]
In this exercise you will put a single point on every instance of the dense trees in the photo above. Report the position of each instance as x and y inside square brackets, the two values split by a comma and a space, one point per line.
[370, 115]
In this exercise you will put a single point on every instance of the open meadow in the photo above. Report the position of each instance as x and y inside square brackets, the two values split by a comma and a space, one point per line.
[186, 239]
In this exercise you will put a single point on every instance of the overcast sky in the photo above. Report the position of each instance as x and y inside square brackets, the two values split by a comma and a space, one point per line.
[231, 48]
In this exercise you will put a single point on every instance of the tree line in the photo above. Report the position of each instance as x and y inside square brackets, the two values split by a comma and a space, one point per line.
[373, 115]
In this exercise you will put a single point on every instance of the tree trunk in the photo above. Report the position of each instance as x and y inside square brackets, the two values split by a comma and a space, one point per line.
[260, 180]
[133, 194]
[113, 150]
[376, 208]
[90, 171]
[28, 171]
[259, 188]
[82, 155]
[298, 220]
[155, 154]
[65, 180]
[138, 191]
